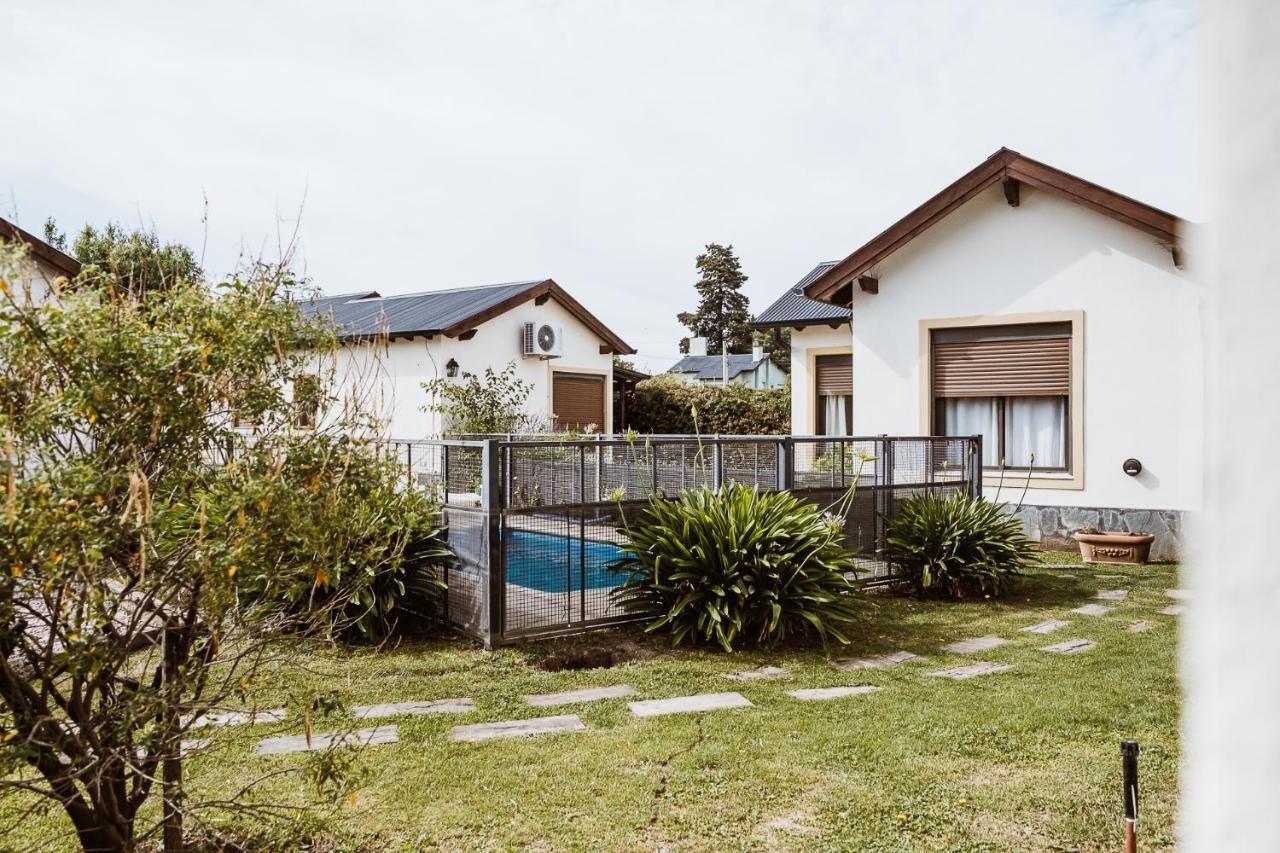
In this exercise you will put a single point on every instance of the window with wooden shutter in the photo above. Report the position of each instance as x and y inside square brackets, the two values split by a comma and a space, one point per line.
[1012, 385]
[833, 375]
[577, 401]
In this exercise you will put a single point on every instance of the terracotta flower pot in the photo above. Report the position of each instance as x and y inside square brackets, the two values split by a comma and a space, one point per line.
[1126, 548]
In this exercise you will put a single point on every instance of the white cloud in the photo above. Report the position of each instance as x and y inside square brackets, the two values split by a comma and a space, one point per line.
[601, 143]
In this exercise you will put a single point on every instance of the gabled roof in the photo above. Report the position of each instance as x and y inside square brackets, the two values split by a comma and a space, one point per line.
[710, 366]
[55, 258]
[795, 309]
[1012, 169]
[451, 313]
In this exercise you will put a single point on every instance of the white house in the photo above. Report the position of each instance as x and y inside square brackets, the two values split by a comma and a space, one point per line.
[392, 344]
[755, 369]
[1046, 313]
[48, 263]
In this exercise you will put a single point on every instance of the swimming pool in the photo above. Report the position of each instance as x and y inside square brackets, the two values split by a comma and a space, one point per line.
[550, 563]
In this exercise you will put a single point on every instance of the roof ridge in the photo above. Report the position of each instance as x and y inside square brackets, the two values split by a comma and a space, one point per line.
[453, 290]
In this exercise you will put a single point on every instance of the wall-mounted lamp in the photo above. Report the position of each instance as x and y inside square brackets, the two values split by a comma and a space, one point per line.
[1132, 467]
[451, 368]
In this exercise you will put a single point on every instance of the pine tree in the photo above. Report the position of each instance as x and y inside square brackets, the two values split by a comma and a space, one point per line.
[722, 316]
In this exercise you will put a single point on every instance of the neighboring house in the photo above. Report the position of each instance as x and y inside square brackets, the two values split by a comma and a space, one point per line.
[392, 344]
[49, 263]
[1046, 313]
[754, 370]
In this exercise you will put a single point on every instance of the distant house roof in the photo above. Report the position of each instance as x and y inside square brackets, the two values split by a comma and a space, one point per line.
[452, 313]
[1011, 169]
[55, 258]
[710, 366]
[793, 308]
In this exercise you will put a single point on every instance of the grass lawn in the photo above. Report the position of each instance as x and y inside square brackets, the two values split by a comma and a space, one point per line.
[1024, 759]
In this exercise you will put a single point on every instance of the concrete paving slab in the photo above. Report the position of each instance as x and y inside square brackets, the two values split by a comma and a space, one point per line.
[396, 709]
[1048, 626]
[235, 718]
[978, 644]
[815, 694]
[298, 743]
[878, 662]
[763, 673]
[1093, 610]
[972, 670]
[1070, 647]
[689, 704]
[1172, 610]
[1113, 594]
[589, 694]
[1140, 626]
[519, 728]
[1179, 594]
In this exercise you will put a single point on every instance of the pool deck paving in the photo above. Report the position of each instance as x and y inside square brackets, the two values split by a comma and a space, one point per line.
[519, 728]
[299, 743]
[689, 704]
[977, 644]
[1048, 626]
[1070, 647]
[396, 709]
[878, 662]
[816, 694]
[586, 694]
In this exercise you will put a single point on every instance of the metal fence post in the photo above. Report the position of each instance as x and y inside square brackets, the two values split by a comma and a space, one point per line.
[975, 467]
[408, 449]
[599, 468]
[717, 460]
[491, 501]
[786, 464]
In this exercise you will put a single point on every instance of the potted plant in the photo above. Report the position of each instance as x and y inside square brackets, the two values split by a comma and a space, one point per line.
[1099, 546]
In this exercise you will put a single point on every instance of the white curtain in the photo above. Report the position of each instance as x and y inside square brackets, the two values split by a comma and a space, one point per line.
[975, 416]
[833, 415]
[1035, 426]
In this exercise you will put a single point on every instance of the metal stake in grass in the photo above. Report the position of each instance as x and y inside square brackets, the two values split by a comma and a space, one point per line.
[1129, 757]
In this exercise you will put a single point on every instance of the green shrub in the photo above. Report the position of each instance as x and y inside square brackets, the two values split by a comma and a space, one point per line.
[956, 545]
[738, 564]
[665, 405]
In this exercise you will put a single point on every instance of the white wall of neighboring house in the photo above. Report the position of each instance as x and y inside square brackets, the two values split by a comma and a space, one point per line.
[388, 377]
[1143, 382]
[806, 344]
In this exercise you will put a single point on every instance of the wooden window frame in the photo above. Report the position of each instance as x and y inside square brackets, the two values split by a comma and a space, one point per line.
[1072, 477]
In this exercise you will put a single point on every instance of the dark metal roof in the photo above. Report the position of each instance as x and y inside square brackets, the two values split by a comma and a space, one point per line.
[710, 367]
[369, 314]
[627, 374]
[793, 308]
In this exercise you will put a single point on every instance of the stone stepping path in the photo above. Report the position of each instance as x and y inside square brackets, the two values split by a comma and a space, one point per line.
[588, 694]
[1172, 610]
[978, 644]
[1093, 610]
[235, 718]
[1113, 594]
[689, 704]
[879, 662]
[972, 670]
[298, 743]
[1048, 626]
[763, 673]
[1070, 647]
[396, 709]
[1179, 594]
[815, 694]
[519, 728]
[1140, 626]
[1109, 577]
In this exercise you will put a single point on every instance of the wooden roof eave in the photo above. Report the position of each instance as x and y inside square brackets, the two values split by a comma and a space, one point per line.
[544, 289]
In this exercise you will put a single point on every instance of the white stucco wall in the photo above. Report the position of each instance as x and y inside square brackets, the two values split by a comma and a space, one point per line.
[387, 379]
[806, 343]
[1143, 341]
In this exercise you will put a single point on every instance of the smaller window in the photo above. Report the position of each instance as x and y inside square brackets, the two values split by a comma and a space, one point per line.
[833, 394]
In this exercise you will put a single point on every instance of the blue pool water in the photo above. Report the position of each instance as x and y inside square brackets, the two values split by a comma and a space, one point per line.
[550, 563]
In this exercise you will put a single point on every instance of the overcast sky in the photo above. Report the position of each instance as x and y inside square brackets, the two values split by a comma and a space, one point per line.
[435, 145]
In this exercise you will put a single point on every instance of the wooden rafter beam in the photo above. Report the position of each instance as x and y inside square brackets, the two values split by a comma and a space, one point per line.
[1012, 194]
[868, 284]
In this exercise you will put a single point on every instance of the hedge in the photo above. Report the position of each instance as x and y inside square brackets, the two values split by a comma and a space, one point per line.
[665, 404]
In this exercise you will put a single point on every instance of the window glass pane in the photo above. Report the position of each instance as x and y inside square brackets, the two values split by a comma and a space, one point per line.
[1035, 428]
[833, 415]
[974, 416]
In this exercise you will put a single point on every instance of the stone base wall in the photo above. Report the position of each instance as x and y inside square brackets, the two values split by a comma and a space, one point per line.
[1053, 526]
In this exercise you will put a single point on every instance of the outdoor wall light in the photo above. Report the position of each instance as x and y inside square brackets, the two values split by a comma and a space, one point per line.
[451, 368]
[1132, 467]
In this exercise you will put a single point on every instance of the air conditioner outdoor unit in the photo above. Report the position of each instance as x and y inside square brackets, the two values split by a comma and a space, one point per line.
[542, 340]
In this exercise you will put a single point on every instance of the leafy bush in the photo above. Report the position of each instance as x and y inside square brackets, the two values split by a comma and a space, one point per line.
[738, 564]
[490, 403]
[957, 545]
[380, 547]
[665, 404]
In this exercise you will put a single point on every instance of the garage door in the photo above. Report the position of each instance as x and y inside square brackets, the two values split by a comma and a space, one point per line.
[577, 400]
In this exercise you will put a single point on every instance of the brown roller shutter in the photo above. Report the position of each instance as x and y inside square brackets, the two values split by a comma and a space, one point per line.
[577, 400]
[833, 375]
[1004, 367]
